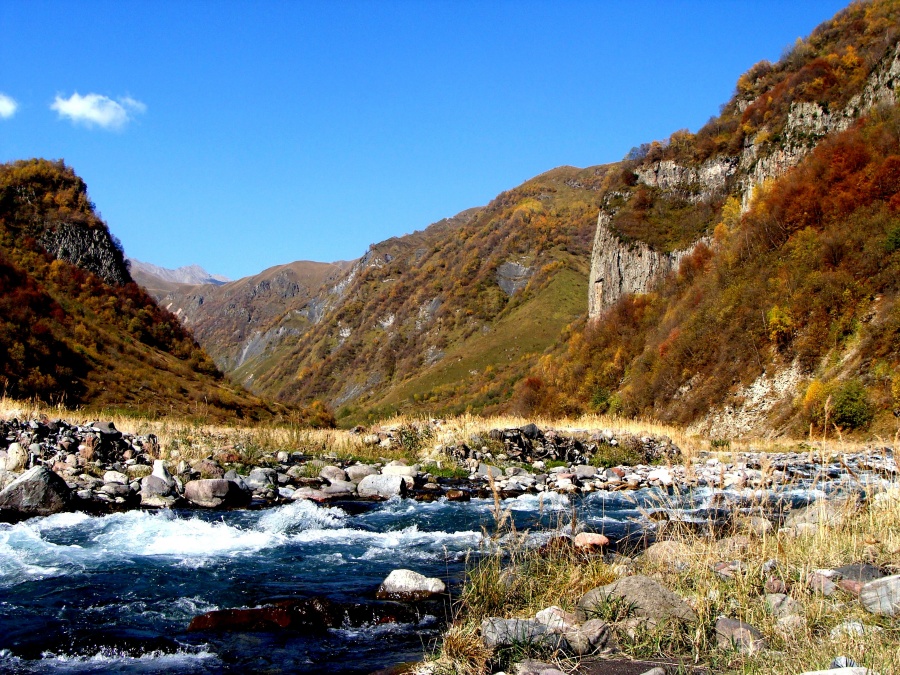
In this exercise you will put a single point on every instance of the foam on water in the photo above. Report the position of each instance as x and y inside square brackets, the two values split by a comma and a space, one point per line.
[112, 661]
[301, 515]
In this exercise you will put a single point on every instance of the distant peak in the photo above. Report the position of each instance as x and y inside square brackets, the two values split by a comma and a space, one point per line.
[188, 274]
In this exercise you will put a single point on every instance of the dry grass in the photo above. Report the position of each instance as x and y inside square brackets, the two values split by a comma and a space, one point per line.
[517, 581]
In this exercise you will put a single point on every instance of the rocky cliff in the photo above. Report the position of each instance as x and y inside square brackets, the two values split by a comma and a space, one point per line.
[91, 248]
[625, 264]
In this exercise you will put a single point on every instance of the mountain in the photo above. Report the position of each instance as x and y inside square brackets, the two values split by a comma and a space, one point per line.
[155, 278]
[447, 318]
[744, 278]
[75, 328]
[740, 278]
[241, 322]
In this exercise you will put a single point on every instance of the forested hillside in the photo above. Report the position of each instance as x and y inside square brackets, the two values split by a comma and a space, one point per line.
[74, 327]
[786, 315]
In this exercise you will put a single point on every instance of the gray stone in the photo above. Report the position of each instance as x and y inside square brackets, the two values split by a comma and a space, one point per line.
[333, 474]
[592, 636]
[489, 470]
[532, 667]
[882, 596]
[497, 632]
[115, 490]
[821, 512]
[782, 605]
[384, 487]
[161, 472]
[668, 553]
[647, 597]
[215, 492]
[340, 488]
[310, 493]
[357, 472]
[37, 492]
[115, 477]
[860, 572]
[583, 471]
[732, 633]
[261, 478]
[154, 486]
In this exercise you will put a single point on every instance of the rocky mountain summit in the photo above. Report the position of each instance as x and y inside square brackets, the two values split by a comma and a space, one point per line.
[150, 276]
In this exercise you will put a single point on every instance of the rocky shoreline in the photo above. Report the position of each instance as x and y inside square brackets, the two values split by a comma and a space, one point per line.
[50, 466]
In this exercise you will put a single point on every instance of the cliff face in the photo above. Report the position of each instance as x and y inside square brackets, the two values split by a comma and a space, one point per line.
[625, 264]
[619, 268]
[90, 248]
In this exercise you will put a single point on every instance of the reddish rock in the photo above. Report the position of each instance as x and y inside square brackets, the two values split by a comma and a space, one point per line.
[851, 586]
[590, 541]
[458, 496]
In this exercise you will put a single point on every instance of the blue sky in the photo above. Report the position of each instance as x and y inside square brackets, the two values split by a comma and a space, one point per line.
[241, 135]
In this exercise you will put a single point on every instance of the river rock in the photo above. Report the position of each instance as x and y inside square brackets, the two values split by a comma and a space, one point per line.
[732, 633]
[261, 478]
[589, 637]
[357, 472]
[668, 553]
[333, 474]
[384, 487]
[156, 493]
[312, 615]
[340, 488]
[408, 586]
[37, 492]
[880, 597]
[649, 599]
[214, 493]
[311, 494]
[489, 470]
[16, 458]
[862, 573]
[115, 477]
[498, 632]
[782, 605]
[160, 471]
[557, 619]
[821, 512]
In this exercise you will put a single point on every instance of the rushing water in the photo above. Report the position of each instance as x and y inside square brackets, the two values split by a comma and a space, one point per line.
[116, 593]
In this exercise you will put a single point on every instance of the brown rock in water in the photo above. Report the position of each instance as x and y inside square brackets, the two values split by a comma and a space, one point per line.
[458, 496]
[313, 615]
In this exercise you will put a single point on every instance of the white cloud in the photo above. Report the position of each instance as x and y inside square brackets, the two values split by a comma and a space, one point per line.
[95, 109]
[8, 106]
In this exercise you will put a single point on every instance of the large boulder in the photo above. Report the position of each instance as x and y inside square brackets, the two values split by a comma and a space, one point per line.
[260, 478]
[647, 598]
[37, 492]
[383, 487]
[156, 492]
[215, 493]
[408, 586]
[357, 472]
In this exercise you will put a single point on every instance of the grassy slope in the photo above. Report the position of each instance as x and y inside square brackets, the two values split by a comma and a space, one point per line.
[66, 335]
[424, 311]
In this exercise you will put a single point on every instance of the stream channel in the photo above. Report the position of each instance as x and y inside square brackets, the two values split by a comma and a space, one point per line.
[115, 593]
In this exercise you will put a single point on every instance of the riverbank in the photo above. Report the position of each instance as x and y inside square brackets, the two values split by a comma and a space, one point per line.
[449, 499]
